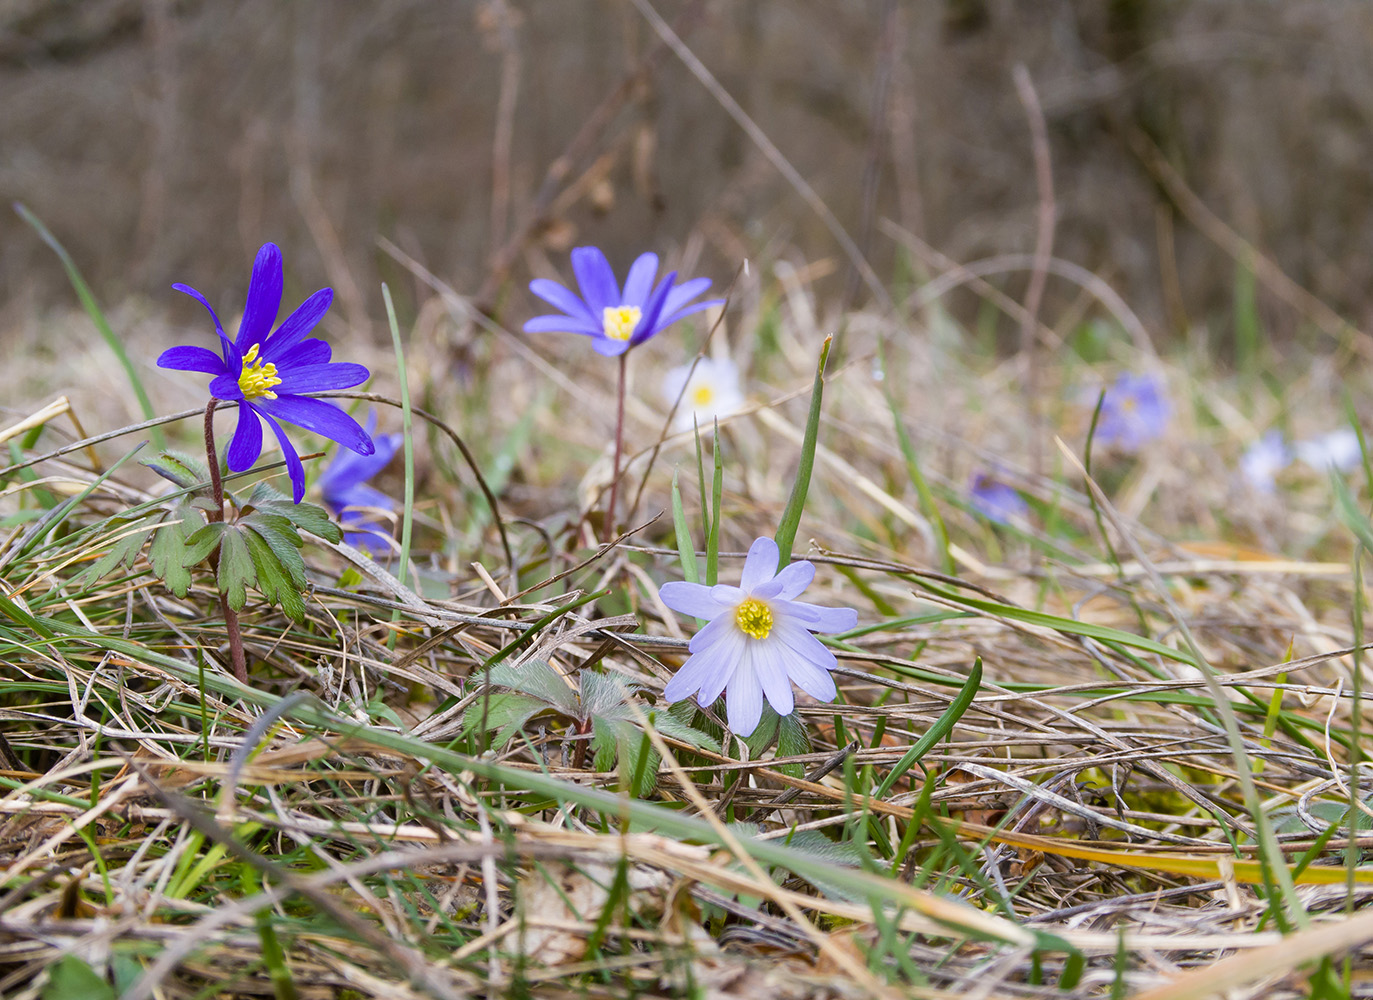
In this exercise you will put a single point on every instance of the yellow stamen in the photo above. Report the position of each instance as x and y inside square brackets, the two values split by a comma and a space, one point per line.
[754, 618]
[257, 378]
[702, 396]
[620, 321]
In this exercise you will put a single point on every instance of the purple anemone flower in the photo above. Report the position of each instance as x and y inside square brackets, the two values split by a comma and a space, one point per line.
[1264, 459]
[266, 372]
[759, 640]
[995, 500]
[616, 319]
[1134, 412]
[357, 505]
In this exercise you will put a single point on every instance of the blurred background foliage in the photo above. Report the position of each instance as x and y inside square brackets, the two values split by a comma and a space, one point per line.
[164, 140]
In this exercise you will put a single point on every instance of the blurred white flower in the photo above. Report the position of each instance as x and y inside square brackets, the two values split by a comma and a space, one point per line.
[1337, 450]
[1264, 459]
[711, 391]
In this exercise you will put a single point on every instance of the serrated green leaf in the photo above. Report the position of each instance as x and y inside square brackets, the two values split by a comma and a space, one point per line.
[537, 679]
[201, 542]
[280, 535]
[123, 551]
[792, 741]
[305, 516]
[504, 712]
[272, 578]
[671, 726]
[168, 545]
[70, 978]
[604, 745]
[236, 571]
[184, 471]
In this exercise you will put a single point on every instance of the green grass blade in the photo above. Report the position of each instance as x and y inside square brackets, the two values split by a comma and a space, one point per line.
[791, 516]
[937, 732]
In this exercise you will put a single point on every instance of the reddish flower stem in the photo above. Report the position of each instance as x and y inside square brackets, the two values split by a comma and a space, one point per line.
[619, 442]
[240, 663]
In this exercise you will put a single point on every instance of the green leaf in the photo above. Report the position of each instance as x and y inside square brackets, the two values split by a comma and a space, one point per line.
[181, 470]
[937, 732]
[504, 712]
[792, 741]
[604, 744]
[236, 570]
[168, 546]
[201, 542]
[280, 536]
[272, 578]
[70, 978]
[123, 551]
[305, 516]
[791, 516]
[537, 679]
[763, 734]
[685, 550]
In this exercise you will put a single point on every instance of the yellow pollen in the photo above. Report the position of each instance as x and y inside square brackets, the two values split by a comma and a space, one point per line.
[620, 321]
[754, 618]
[702, 396]
[257, 379]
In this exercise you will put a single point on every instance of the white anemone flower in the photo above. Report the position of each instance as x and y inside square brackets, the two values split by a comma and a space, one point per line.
[1337, 450]
[711, 391]
[759, 640]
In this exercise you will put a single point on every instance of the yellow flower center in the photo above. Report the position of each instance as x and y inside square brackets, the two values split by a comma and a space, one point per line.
[257, 379]
[702, 396]
[620, 321]
[754, 618]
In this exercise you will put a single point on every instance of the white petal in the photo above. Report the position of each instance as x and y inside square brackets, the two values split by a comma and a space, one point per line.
[725, 653]
[795, 578]
[760, 566]
[744, 700]
[816, 618]
[700, 670]
[808, 662]
[769, 663]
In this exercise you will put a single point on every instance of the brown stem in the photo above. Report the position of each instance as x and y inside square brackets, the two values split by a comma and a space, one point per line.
[239, 662]
[619, 444]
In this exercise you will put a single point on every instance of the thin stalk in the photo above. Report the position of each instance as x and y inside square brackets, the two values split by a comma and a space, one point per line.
[619, 445]
[240, 664]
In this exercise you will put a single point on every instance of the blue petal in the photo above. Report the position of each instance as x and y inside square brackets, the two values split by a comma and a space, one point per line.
[652, 312]
[320, 417]
[226, 387]
[191, 359]
[684, 293]
[761, 564]
[297, 325]
[691, 599]
[246, 445]
[669, 317]
[563, 324]
[610, 348]
[595, 278]
[639, 283]
[321, 378]
[225, 343]
[561, 298]
[307, 352]
[293, 467]
[264, 298]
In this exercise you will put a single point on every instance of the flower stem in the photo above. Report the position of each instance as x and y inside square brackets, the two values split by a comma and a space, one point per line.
[619, 443]
[240, 663]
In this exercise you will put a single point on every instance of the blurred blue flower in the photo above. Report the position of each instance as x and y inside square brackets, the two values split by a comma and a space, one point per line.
[616, 319]
[1134, 412]
[995, 500]
[1264, 459]
[758, 641]
[266, 372]
[358, 506]
[1337, 450]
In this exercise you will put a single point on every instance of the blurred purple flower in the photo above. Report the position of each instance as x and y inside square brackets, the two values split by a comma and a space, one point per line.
[616, 319]
[266, 372]
[357, 505]
[1135, 411]
[995, 500]
[1337, 450]
[758, 641]
[1264, 459]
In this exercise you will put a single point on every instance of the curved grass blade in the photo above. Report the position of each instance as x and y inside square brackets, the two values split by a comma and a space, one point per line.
[937, 732]
[791, 516]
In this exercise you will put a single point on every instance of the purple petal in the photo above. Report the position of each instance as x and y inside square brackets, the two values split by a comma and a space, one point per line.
[649, 325]
[807, 661]
[320, 417]
[562, 298]
[816, 618]
[744, 699]
[596, 279]
[225, 343]
[356, 499]
[692, 599]
[307, 352]
[191, 359]
[563, 324]
[726, 651]
[264, 298]
[246, 445]
[712, 631]
[684, 293]
[794, 578]
[639, 283]
[669, 316]
[293, 467]
[769, 663]
[297, 325]
[321, 378]
[708, 669]
[760, 566]
[226, 387]
[609, 347]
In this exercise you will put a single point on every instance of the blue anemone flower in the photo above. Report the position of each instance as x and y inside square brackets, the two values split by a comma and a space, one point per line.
[266, 372]
[995, 500]
[1134, 412]
[759, 641]
[615, 318]
[354, 503]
